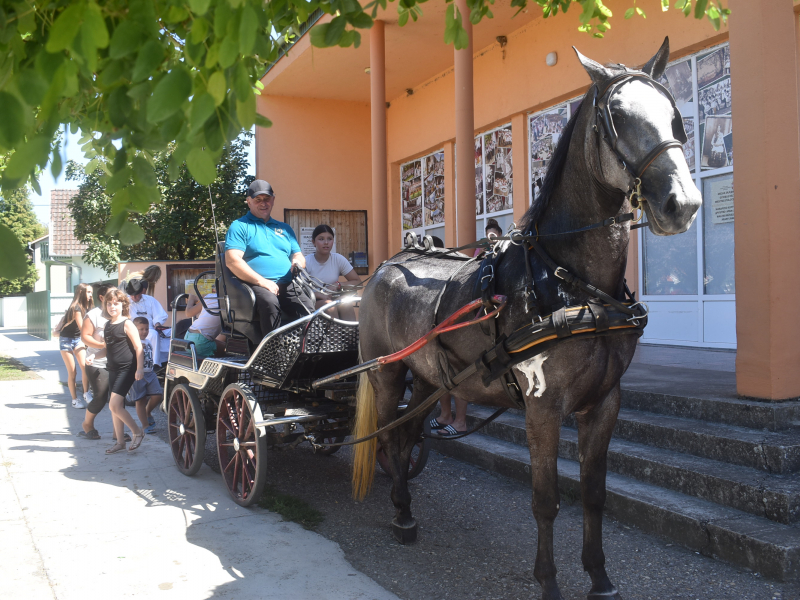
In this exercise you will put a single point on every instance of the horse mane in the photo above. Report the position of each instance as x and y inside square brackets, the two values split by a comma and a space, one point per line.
[552, 176]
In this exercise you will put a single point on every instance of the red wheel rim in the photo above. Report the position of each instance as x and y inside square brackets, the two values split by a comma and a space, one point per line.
[236, 440]
[182, 429]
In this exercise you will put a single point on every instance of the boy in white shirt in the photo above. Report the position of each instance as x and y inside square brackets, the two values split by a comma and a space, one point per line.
[146, 392]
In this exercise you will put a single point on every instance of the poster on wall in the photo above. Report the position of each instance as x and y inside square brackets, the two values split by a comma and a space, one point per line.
[307, 245]
[411, 193]
[434, 188]
[678, 80]
[715, 108]
[545, 132]
[494, 171]
[688, 147]
[721, 198]
[715, 150]
[422, 191]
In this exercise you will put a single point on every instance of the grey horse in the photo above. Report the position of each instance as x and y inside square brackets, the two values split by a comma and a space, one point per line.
[588, 181]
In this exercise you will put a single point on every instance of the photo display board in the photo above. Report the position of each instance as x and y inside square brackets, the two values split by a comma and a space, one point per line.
[494, 174]
[422, 191]
[545, 132]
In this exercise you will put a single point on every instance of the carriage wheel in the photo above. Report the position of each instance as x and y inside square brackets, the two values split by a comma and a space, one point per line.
[329, 440]
[186, 429]
[419, 455]
[241, 448]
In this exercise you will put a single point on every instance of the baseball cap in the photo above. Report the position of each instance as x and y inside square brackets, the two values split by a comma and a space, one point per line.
[259, 186]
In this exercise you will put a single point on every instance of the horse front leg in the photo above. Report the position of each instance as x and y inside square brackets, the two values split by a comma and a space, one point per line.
[543, 425]
[595, 428]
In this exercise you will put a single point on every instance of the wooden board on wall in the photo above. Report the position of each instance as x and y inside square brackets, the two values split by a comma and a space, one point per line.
[177, 276]
[350, 227]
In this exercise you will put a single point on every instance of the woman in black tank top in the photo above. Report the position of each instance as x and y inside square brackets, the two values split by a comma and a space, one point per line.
[125, 365]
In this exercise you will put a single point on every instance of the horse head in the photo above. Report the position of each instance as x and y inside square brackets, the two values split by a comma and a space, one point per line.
[636, 142]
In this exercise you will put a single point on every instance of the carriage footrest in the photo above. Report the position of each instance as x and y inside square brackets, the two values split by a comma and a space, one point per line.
[305, 415]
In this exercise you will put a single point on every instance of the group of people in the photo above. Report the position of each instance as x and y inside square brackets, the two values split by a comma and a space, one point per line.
[113, 344]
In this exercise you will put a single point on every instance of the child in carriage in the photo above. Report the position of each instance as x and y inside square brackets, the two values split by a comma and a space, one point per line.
[146, 392]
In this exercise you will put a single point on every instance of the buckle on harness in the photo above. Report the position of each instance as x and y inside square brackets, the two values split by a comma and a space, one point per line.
[490, 275]
[561, 273]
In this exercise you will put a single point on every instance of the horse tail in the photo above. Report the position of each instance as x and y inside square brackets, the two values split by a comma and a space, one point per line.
[365, 424]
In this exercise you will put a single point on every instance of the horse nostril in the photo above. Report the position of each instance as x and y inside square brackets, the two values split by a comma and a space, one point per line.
[671, 205]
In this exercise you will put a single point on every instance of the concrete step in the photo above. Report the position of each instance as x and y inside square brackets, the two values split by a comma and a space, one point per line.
[776, 497]
[770, 548]
[704, 395]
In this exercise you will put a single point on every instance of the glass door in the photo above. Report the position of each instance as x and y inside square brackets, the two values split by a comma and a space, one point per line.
[688, 280]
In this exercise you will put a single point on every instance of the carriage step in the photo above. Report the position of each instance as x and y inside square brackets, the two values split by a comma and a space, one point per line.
[769, 548]
[705, 395]
[776, 497]
[304, 415]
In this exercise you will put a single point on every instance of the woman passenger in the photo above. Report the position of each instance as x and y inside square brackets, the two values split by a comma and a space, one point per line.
[69, 342]
[328, 266]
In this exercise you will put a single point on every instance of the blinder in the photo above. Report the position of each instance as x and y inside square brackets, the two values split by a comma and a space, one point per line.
[602, 104]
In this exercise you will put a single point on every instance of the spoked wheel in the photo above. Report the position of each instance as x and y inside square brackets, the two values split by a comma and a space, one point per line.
[186, 428]
[241, 449]
[419, 455]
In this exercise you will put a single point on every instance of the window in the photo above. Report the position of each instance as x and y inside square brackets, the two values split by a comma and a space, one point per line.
[422, 195]
[678, 265]
[44, 250]
[494, 179]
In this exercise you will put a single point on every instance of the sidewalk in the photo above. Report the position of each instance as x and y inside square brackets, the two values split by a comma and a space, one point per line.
[76, 523]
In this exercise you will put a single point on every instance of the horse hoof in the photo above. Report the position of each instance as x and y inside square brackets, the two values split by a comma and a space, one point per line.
[610, 595]
[405, 534]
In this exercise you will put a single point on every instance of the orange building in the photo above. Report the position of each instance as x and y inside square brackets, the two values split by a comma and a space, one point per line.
[380, 128]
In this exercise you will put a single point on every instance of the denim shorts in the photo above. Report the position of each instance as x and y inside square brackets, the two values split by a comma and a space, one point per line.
[146, 387]
[69, 344]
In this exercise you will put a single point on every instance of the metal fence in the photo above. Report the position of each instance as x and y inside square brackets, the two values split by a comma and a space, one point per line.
[39, 314]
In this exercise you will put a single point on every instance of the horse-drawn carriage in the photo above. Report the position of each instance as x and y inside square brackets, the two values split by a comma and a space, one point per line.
[260, 392]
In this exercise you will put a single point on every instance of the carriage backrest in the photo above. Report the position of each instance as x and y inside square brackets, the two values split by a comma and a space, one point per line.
[238, 297]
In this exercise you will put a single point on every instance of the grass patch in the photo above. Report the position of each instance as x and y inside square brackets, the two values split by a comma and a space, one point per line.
[13, 370]
[290, 508]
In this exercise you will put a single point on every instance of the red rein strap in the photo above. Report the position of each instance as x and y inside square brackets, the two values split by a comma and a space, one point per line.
[449, 324]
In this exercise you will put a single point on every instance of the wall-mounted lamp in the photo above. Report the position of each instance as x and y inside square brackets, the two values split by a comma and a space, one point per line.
[502, 40]
[551, 59]
[409, 91]
[367, 71]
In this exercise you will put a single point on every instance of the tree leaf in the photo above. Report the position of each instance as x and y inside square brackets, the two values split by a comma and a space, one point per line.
[360, 20]
[248, 28]
[15, 263]
[32, 87]
[241, 82]
[318, 35]
[65, 28]
[118, 180]
[629, 13]
[217, 87]
[125, 40]
[150, 56]
[55, 163]
[27, 156]
[169, 94]
[94, 27]
[262, 121]
[247, 111]
[202, 108]
[119, 106]
[199, 7]
[199, 30]
[143, 172]
[202, 166]
[141, 197]
[228, 52]
[335, 31]
[130, 233]
[13, 120]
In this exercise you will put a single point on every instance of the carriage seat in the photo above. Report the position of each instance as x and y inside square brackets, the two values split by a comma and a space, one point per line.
[242, 301]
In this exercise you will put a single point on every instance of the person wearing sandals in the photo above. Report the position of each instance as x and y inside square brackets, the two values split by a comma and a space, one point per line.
[96, 373]
[69, 342]
[146, 392]
[125, 365]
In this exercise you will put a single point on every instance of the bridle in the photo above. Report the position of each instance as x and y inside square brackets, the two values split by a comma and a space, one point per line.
[601, 102]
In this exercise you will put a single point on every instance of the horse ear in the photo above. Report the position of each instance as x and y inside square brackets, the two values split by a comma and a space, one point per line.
[596, 71]
[656, 65]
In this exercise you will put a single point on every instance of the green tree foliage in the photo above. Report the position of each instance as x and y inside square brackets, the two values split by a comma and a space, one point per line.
[16, 214]
[139, 76]
[178, 226]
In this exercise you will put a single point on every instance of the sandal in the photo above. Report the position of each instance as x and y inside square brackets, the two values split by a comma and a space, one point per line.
[89, 435]
[137, 441]
[126, 437]
[436, 425]
[448, 431]
[115, 448]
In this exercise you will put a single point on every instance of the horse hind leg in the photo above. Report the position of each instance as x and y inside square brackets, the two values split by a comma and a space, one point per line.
[397, 444]
[543, 425]
[594, 434]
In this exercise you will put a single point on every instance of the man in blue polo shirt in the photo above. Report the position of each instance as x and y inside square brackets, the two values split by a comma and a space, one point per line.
[262, 251]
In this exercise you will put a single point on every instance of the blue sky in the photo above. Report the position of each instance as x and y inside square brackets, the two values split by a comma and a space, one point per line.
[41, 204]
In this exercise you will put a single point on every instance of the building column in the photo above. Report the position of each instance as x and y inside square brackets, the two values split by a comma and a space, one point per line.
[379, 223]
[767, 188]
[450, 213]
[465, 136]
[521, 166]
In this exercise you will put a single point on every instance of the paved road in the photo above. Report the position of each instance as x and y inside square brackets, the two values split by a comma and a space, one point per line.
[75, 523]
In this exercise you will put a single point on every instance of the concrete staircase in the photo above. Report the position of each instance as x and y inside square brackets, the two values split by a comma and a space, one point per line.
[689, 461]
